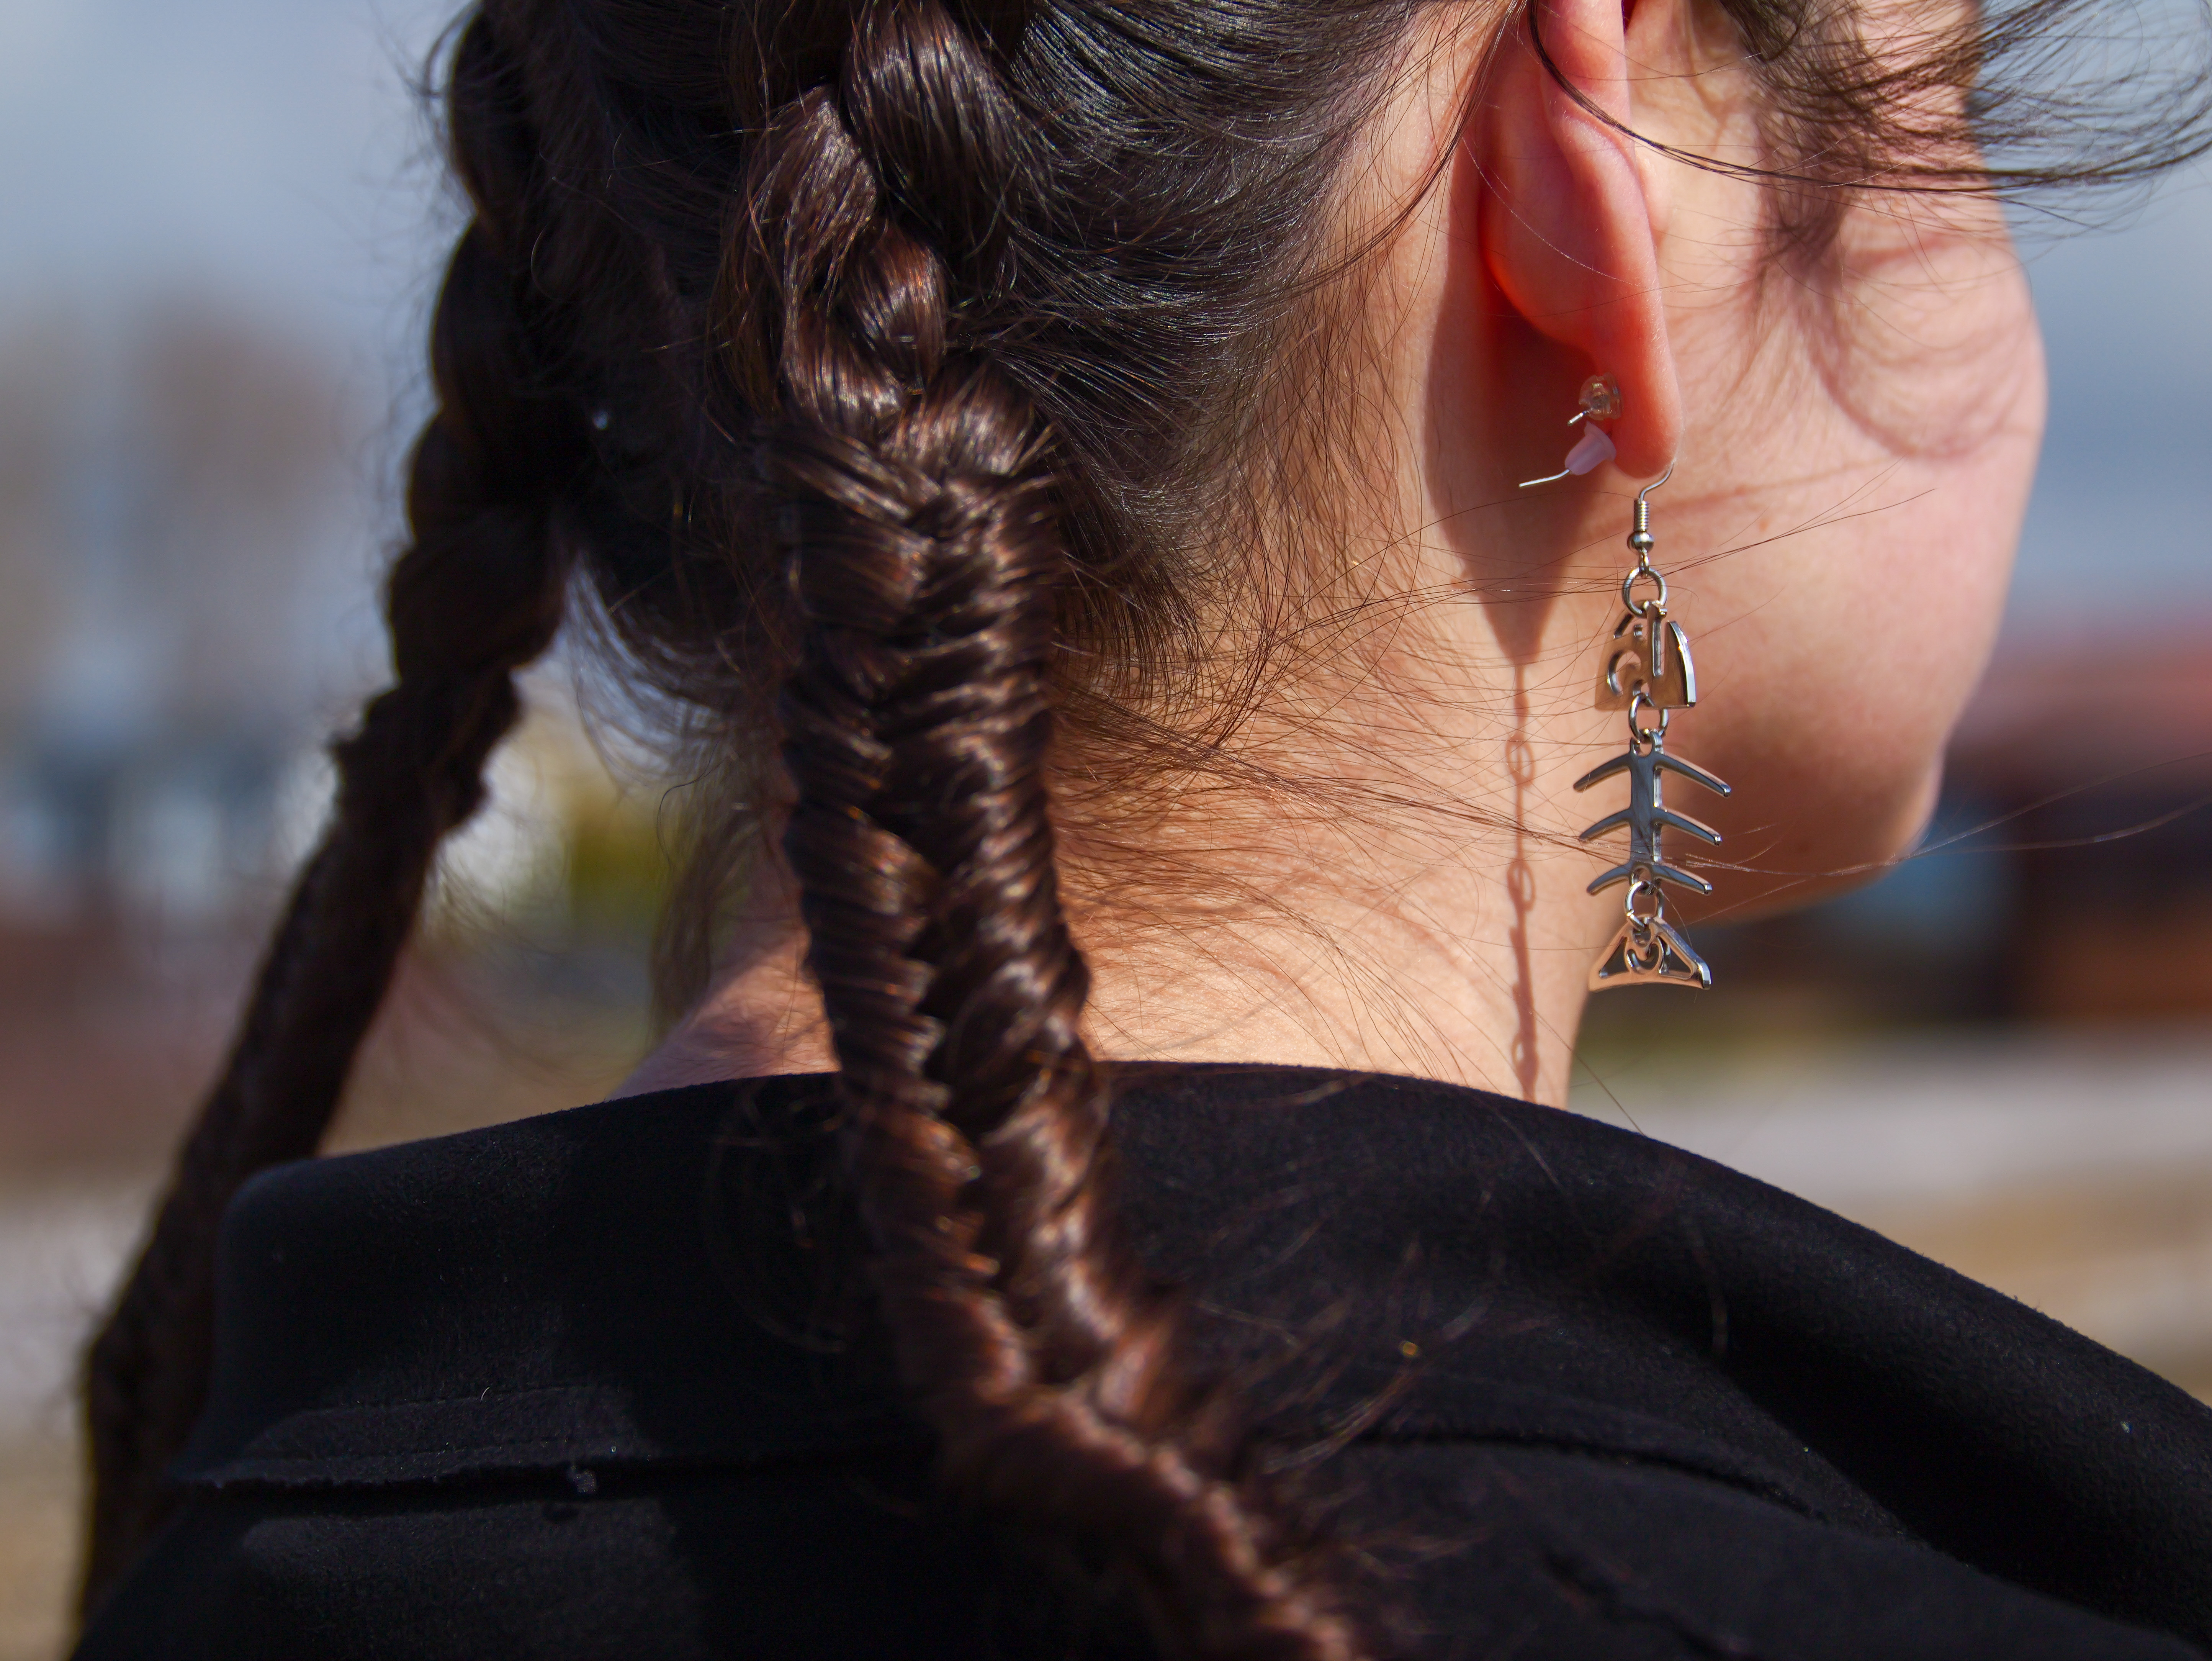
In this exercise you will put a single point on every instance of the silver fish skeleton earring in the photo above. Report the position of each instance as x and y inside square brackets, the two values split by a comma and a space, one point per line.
[1647, 669]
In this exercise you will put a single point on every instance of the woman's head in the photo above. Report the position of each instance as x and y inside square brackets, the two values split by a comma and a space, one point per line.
[1289, 298]
[1054, 461]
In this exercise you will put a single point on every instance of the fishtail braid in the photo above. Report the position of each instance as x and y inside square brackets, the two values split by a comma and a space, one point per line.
[477, 594]
[913, 487]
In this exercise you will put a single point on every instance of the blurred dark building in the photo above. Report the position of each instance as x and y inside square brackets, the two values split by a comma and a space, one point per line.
[2067, 875]
[2102, 755]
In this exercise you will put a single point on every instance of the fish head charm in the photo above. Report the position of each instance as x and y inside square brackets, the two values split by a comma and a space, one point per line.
[1648, 653]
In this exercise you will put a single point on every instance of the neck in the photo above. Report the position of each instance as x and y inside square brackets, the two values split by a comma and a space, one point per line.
[1424, 919]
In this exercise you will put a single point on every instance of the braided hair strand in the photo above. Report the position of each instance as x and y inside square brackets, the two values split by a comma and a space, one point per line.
[477, 594]
[917, 513]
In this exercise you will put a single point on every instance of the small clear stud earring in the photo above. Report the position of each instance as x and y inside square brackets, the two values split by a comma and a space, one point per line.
[1601, 401]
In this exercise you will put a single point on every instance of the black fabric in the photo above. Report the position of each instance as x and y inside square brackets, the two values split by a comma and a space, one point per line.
[598, 1384]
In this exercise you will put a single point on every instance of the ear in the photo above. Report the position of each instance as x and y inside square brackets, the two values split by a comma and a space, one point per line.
[1569, 230]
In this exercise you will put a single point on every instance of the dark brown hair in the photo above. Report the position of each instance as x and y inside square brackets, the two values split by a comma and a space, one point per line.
[867, 363]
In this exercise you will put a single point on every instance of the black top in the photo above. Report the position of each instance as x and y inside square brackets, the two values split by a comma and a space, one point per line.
[570, 1388]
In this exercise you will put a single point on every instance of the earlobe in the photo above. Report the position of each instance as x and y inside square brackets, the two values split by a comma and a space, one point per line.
[1565, 221]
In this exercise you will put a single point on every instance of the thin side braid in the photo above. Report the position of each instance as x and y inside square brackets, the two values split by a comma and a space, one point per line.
[476, 595]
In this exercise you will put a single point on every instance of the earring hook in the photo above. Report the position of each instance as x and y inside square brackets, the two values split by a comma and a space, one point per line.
[1642, 525]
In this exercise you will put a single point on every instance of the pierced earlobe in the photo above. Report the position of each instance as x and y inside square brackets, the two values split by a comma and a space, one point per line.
[1601, 401]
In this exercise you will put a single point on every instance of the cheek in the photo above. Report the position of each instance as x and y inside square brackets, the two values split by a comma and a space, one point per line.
[1837, 656]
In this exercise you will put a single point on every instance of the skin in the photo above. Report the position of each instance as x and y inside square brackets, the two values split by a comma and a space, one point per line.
[1853, 439]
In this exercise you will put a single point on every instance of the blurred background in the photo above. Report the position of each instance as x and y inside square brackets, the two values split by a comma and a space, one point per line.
[224, 225]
